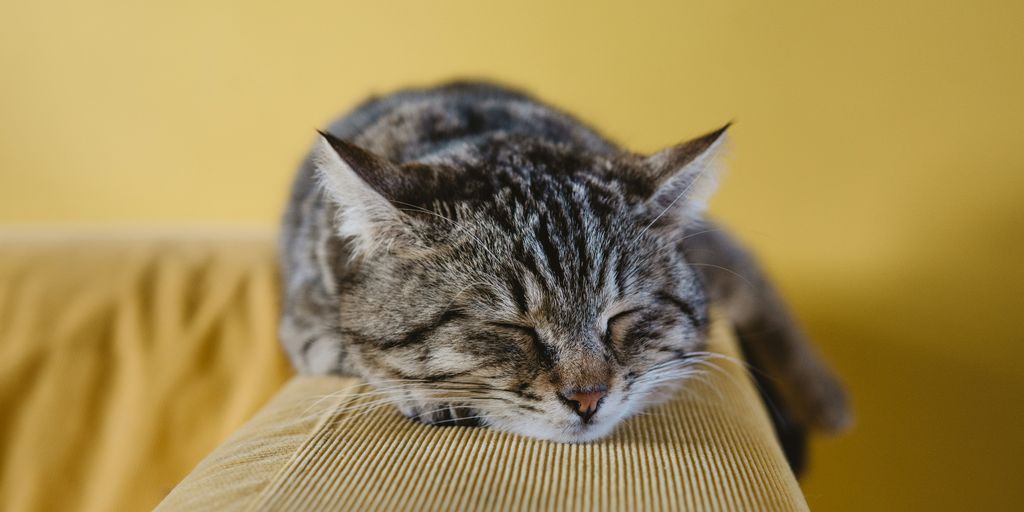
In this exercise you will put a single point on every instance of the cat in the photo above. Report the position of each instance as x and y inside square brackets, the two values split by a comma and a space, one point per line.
[486, 259]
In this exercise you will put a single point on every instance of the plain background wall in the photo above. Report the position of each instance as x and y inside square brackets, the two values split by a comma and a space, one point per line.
[877, 164]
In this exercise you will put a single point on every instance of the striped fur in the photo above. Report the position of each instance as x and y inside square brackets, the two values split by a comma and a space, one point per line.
[475, 253]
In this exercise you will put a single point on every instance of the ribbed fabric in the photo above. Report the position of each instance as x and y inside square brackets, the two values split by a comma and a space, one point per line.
[321, 445]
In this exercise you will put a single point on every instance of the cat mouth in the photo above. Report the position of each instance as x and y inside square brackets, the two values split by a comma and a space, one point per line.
[573, 432]
[582, 428]
[583, 433]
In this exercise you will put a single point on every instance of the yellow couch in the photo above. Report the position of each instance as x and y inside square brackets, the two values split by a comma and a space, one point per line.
[877, 170]
[126, 359]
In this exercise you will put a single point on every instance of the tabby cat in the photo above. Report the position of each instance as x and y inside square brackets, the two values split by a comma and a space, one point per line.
[484, 258]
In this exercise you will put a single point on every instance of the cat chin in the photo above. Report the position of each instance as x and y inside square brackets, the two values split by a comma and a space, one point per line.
[573, 434]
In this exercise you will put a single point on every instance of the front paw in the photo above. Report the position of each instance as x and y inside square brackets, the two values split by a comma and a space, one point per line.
[824, 404]
[833, 413]
[445, 415]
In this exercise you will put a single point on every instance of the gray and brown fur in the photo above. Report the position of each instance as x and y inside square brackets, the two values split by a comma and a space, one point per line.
[480, 256]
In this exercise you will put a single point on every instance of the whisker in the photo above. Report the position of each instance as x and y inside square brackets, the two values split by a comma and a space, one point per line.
[696, 233]
[739, 362]
[729, 270]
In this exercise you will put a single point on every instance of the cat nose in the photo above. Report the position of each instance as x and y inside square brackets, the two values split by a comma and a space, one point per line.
[584, 401]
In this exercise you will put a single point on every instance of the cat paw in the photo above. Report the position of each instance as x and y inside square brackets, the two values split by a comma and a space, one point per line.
[827, 408]
[445, 415]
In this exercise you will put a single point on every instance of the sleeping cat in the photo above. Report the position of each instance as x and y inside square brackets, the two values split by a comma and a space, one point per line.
[484, 258]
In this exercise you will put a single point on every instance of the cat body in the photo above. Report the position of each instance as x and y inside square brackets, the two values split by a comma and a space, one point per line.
[484, 258]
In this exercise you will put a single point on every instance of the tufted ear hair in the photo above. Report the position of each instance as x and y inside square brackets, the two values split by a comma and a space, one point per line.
[683, 177]
[367, 189]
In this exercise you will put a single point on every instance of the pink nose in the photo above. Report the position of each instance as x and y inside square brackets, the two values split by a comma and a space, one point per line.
[585, 401]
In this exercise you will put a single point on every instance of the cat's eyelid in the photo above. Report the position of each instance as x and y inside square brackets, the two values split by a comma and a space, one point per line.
[544, 350]
[514, 326]
[620, 315]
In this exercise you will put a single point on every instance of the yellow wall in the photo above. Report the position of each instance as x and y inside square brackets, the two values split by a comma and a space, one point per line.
[878, 164]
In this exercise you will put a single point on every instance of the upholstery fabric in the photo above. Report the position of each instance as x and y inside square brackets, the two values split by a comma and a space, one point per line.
[124, 360]
[322, 444]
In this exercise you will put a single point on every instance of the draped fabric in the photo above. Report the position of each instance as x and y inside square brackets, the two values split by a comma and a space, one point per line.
[124, 359]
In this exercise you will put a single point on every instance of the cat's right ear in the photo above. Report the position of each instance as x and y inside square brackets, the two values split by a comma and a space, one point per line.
[683, 177]
[362, 185]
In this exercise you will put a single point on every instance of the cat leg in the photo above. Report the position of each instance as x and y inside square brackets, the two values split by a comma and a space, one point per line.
[810, 394]
[445, 415]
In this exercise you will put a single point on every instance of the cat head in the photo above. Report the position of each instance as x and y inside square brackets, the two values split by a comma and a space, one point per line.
[522, 285]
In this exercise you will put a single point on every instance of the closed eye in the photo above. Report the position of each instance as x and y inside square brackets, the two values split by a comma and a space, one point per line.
[688, 310]
[545, 351]
[622, 315]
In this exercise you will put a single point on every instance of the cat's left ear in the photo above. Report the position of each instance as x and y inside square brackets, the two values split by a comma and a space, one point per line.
[684, 176]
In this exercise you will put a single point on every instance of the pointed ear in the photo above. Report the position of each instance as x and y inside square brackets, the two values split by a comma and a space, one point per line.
[362, 186]
[684, 176]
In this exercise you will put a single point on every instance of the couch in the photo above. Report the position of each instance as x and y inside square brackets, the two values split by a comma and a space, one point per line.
[141, 370]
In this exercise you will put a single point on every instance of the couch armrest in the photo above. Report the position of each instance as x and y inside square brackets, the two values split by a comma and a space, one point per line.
[709, 449]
